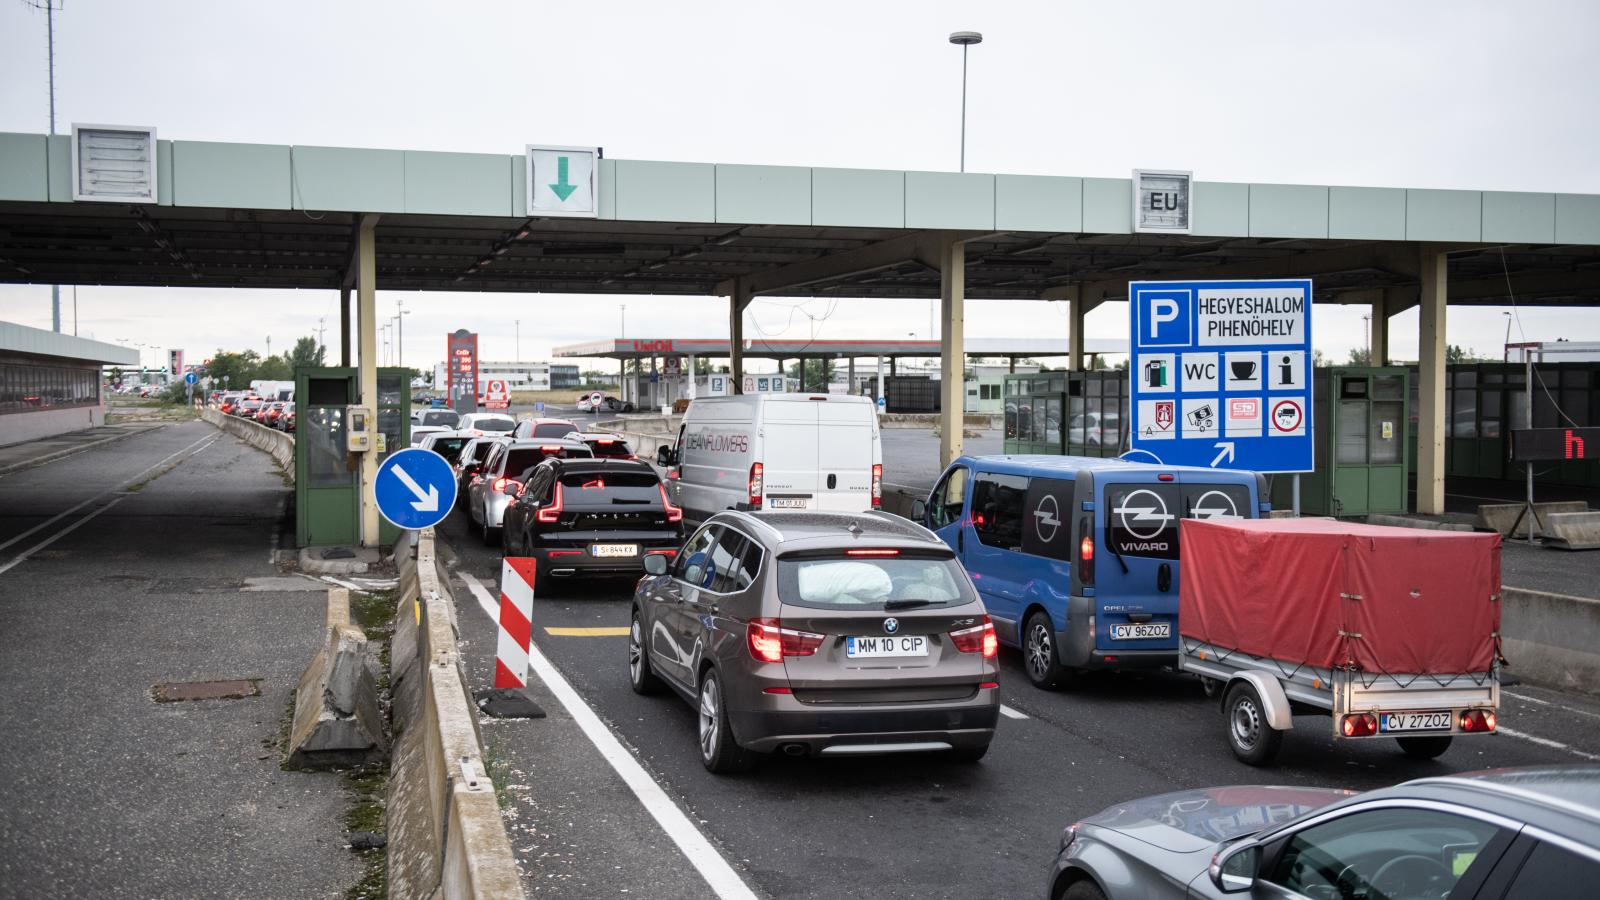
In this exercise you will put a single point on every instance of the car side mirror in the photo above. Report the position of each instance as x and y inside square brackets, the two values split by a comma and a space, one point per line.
[1233, 869]
[919, 510]
[655, 564]
[664, 456]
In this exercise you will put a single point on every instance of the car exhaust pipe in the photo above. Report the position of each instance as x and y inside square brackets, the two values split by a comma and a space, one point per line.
[795, 750]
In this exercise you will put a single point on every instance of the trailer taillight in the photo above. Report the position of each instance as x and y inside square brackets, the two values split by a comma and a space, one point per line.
[1359, 725]
[1478, 721]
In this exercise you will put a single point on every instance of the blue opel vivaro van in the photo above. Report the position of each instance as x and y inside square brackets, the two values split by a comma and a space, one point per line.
[1076, 557]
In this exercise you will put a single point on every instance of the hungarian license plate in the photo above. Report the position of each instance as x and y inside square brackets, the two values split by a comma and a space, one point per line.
[878, 647]
[614, 550]
[1142, 632]
[1430, 720]
[788, 502]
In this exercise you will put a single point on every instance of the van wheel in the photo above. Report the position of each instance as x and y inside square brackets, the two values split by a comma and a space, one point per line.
[640, 676]
[719, 752]
[1424, 747]
[1039, 657]
[1253, 740]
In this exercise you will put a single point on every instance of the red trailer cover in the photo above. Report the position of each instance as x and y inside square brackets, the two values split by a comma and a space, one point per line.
[1329, 593]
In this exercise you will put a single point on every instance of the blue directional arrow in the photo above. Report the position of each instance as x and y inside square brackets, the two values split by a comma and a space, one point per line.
[415, 488]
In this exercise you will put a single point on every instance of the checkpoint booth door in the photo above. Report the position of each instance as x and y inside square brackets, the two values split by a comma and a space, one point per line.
[326, 474]
[1363, 459]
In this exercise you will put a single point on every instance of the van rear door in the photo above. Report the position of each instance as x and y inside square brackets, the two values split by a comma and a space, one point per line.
[788, 454]
[1136, 580]
[845, 454]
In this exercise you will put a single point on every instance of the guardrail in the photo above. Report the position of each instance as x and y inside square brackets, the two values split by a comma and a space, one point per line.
[1552, 639]
[446, 837]
[279, 445]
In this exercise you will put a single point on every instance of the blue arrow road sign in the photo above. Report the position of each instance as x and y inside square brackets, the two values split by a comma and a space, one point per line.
[1221, 374]
[190, 378]
[415, 488]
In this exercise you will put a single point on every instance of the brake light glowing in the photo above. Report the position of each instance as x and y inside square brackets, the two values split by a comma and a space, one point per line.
[1085, 553]
[605, 441]
[549, 448]
[877, 484]
[872, 553]
[507, 485]
[756, 470]
[555, 553]
[551, 513]
[1086, 549]
[1359, 725]
[597, 483]
[977, 639]
[770, 642]
[674, 514]
[1478, 720]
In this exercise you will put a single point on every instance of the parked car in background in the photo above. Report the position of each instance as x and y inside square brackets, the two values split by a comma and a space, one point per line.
[590, 517]
[502, 476]
[487, 423]
[543, 428]
[607, 444]
[607, 403]
[1507, 834]
[286, 421]
[817, 452]
[248, 407]
[831, 634]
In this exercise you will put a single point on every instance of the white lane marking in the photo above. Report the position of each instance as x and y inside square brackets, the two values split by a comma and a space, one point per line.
[349, 586]
[1570, 709]
[721, 877]
[19, 558]
[486, 601]
[1010, 713]
[52, 520]
[1546, 742]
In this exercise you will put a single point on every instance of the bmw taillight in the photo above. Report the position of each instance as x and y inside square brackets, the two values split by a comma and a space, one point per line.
[770, 642]
[977, 639]
[877, 484]
[755, 485]
[552, 513]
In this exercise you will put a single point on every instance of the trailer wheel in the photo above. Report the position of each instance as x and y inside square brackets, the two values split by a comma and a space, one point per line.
[1212, 686]
[1424, 747]
[1254, 741]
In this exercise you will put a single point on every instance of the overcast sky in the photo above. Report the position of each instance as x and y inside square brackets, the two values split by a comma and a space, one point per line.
[1477, 95]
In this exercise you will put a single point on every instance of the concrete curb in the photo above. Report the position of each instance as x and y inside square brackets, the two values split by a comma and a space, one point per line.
[70, 451]
[277, 444]
[1552, 639]
[446, 837]
[337, 719]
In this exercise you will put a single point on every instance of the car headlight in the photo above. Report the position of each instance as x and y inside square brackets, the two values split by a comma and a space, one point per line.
[1069, 837]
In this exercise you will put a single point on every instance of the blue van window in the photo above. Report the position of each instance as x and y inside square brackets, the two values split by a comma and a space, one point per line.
[1216, 501]
[949, 497]
[998, 509]
[1142, 519]
[1046, 529]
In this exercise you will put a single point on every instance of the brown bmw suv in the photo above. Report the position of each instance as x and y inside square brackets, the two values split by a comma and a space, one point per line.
[818, 634]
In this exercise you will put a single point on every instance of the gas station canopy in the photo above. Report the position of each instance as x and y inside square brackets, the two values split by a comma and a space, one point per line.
[1004, 348]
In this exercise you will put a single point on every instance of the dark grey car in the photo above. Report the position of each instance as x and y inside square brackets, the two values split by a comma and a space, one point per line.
[818, 634]
[1510, 834]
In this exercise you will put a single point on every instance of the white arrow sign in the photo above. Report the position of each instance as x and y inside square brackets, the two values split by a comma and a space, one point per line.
[1225, 456]
[427, 501]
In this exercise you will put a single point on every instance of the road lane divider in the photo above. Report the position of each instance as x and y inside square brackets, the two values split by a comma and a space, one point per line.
[23, 556]
[718, 873]
[446, 837]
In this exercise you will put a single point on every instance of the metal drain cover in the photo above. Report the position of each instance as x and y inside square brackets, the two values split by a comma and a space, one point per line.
[235, 689]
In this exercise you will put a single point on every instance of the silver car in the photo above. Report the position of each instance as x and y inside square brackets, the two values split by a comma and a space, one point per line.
[831, 634]
[1509, 834]
[500, 479]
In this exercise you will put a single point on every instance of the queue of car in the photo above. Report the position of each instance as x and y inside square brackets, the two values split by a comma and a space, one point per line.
[795, 618]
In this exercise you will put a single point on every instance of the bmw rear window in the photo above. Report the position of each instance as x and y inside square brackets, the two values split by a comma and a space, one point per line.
[840, 581]
[494, 423]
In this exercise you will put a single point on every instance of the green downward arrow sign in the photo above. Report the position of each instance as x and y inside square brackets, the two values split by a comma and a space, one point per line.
[562, 186]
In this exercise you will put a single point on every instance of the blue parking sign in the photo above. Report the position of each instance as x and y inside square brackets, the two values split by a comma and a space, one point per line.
[1221, 373]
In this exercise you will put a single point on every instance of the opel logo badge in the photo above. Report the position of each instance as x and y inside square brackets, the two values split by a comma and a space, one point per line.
[891, 625]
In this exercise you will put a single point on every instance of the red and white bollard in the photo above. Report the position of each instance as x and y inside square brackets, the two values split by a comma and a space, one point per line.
[509, 699]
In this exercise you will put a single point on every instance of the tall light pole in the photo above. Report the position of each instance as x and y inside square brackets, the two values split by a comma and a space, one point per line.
[622, 312]
[400, 312]
[964, 39]
[49, 7]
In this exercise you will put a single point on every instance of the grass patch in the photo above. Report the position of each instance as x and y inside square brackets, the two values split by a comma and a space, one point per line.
[370, 786]
[499, 772]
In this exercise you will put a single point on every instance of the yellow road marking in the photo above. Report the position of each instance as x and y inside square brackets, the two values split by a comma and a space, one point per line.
[588, 632]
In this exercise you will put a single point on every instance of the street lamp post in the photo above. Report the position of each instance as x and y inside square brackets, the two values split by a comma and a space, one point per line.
[964, 39]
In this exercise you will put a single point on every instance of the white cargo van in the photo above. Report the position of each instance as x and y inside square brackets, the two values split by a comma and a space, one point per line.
[776, 451]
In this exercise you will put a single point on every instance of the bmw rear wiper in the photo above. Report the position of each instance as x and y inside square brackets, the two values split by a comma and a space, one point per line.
[906, 604]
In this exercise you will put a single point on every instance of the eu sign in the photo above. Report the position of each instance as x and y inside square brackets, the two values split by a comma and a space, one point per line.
[1221, 373]
[415, 488]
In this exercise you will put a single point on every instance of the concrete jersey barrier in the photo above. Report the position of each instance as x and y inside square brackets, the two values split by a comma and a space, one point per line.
[277, 444]
[446, 837]
[1552, 639]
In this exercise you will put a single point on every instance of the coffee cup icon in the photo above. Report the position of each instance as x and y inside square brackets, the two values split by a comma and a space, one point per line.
[1243, 369]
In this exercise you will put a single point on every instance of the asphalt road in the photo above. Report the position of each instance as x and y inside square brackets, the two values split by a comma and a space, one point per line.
[899, 826]
[130, 564]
